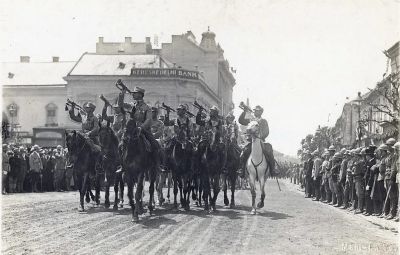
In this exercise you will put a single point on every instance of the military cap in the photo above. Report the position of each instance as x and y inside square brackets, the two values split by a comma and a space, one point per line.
[337, 155]
[230, 115]
[258, 108]
[391, 141]
[181, 107]
[138, 90]
[383, 147]
[214, 108]
[396, 146]
[331, 148]
[89, 105]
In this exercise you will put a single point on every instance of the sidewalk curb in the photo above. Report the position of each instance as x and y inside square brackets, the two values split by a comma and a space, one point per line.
[382, 223]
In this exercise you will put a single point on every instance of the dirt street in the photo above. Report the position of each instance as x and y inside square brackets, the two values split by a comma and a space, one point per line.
[49, 223]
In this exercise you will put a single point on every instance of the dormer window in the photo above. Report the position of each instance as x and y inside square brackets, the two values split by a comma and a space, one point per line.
[121, 65]
[10, 75]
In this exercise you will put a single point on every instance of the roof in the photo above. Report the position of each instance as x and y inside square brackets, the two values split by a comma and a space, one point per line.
[34, 73]
[116, 64]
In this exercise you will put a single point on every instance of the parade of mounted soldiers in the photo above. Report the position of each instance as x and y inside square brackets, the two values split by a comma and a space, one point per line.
[197, 154]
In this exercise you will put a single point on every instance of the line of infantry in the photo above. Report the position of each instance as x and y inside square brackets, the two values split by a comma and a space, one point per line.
[209, 129]
[363, 180]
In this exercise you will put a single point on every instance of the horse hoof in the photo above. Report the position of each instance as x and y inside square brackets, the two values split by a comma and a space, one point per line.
[97, 202]
[226, 201]
[87, 200]
[253, 212]
[115, 207]
[232, 206]
[82, 209]
[260, 205]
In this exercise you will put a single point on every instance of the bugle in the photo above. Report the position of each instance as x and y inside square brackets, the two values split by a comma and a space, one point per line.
[121, 86]
[73, 105]
[245, 107]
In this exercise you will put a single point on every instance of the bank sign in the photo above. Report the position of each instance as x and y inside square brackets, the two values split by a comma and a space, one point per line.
[164, 72]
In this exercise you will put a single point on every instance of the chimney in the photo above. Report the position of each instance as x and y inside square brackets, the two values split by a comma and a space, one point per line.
[101, 39]
[128, 39]
[56, 59]
[24, 59]
[149, 48]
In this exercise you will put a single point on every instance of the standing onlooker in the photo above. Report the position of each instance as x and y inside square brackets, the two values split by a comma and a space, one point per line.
[69, 172]
[390, 205]
[36, 167]
[48, 170]
[15, 166]
[369, 179]
[397, 167]
[59, 171]
[316, 175]
[5, 169]
[23, 169]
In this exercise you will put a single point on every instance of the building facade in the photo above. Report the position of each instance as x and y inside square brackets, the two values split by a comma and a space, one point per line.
[34, 94]
[372, 118]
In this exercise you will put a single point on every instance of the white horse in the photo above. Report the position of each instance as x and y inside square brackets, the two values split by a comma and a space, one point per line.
[256, 165]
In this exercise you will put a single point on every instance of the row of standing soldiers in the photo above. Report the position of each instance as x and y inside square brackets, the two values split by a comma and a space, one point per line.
[363, 180]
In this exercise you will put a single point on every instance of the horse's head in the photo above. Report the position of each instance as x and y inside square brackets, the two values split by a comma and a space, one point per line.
[253, 128]
[74, 141]
[107, 136]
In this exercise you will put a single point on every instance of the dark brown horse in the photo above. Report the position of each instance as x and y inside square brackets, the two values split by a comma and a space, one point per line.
[179, 161]
[84, 160]
[137, 161]
[111, 159]
[229, 175]
[211, 160]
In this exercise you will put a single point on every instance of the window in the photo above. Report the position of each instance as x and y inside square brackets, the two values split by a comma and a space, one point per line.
[51, 115]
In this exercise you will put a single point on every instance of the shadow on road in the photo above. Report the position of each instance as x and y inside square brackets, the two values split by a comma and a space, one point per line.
[263, 213]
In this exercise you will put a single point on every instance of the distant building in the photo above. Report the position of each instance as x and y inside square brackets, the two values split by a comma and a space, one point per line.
[34, 94]
[376, 126]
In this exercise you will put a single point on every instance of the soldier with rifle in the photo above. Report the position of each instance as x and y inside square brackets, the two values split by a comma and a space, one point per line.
[264, 132]
[182, 124]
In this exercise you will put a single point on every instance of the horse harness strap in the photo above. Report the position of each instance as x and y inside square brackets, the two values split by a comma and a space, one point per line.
[257, 165]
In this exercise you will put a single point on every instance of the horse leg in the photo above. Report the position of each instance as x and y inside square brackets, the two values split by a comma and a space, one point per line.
[138, 196]
[253, 194]
[97, 186]
[206, 192]
[262, 185]
[200, 191]
[116, 200]
[186, 193]
[180, 183]
[130, 197]
[83, 190]
[121, 189]
[152, 179]
[107, 195]
[225, 189]
[175, 192]
[233, 187]
[216, 188]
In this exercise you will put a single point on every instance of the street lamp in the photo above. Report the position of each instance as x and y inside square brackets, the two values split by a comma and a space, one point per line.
[358, 102]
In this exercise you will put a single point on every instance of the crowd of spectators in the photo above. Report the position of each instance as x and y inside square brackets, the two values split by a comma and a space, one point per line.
[35, 169]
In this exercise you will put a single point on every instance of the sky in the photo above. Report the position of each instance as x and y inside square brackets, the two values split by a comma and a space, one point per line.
[298, 59]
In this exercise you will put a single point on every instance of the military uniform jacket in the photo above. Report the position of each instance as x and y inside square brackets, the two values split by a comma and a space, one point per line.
[369, 174]
[142, 114]
[335, 171]
[317, 167]
[359, 169]
[382, 168]
[90, 123]
[231, 131]
[157, 128]
[389, 163]
[343, 170]
[211, 125]
[263, 123]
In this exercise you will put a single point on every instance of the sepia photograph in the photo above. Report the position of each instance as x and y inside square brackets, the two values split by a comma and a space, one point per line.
[200, 127]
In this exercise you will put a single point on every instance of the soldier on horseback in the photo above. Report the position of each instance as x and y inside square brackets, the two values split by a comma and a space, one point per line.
[157, 126]
[264, 132]
[118, 120]
[182, 125]
[211, 125]
[231, 131]
[142, 114]
[90, 125]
